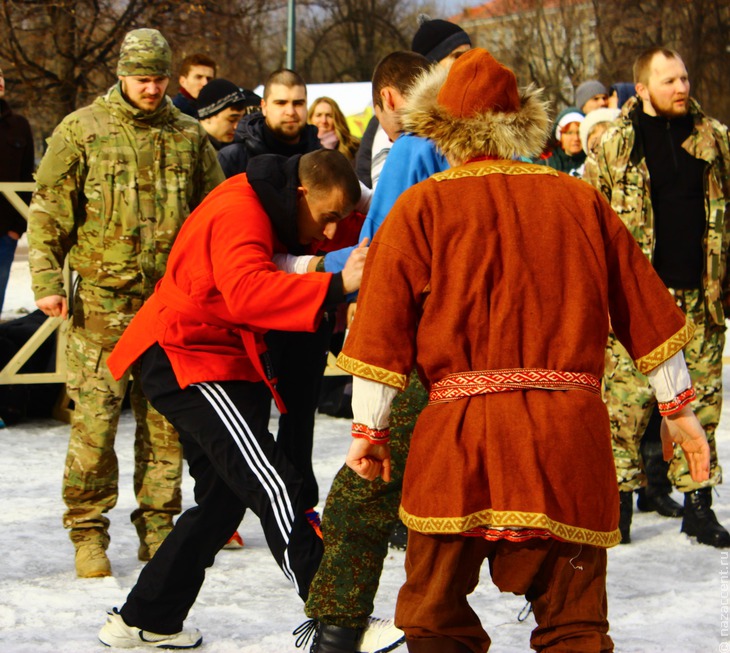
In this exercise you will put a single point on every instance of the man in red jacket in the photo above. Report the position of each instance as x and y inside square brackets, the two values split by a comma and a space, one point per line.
[199, 340]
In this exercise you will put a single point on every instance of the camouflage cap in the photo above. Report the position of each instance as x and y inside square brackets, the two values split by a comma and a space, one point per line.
[144, 52]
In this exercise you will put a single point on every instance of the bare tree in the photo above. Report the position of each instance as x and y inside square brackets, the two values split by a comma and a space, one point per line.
[698, 30]
[342, 40]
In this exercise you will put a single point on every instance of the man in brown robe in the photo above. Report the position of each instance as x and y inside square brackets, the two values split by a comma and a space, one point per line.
[496, 280]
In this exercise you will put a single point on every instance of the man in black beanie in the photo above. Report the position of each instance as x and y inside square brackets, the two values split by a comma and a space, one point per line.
[439, 40]
[221, 104]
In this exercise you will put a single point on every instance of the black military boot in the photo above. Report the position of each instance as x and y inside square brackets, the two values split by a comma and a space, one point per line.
[656, 496]
[700, 520]
[626, 508]
[327, 639]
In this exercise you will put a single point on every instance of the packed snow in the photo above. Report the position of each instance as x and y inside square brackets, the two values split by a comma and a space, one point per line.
[666, 592]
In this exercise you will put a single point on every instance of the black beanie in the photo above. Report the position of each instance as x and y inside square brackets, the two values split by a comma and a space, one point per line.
[436, 39]
[216, 95]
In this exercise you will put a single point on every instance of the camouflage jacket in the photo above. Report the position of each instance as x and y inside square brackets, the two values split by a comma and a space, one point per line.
[112, 192]
[619, 171]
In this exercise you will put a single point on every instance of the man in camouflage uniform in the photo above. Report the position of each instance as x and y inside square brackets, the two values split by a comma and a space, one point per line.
[119, 178]
[679, 218]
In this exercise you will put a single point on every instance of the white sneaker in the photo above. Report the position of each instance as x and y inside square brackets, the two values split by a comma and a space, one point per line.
[116, 633]
[380, 636]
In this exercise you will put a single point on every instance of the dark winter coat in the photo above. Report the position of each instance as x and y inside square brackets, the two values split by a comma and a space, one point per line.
[16, 163]
[253, 137]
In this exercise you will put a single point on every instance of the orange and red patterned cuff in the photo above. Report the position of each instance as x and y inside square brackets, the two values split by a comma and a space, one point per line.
[373, 436]
[679, 402]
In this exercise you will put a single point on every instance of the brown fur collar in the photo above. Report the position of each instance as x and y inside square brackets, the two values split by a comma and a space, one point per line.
[504, 135]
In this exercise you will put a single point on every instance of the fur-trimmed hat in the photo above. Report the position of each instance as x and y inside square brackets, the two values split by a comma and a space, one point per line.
[437, 39]
[144, 52]
[475, 109]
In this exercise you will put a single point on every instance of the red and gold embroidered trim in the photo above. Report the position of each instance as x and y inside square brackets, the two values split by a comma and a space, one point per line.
[481, 169]
[366, 371]
[514, 520]
[373, 436]
[679, 402]
[468, 384]
[667, 349]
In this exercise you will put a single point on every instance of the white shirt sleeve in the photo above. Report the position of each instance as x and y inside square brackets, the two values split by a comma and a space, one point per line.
[363, 206]
[291, 263]
[371, 403]
[671, 378]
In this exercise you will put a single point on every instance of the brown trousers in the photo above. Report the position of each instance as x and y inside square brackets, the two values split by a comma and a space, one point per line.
[566, 584]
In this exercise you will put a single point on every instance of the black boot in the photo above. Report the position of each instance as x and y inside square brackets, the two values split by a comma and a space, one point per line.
[626, 507]
[700, 520]
[333, 639]
[398, 536]
[327, 639]
[656, 496]
[661, 503]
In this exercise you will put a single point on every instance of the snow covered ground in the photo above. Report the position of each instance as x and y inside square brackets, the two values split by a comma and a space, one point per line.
[666, 592]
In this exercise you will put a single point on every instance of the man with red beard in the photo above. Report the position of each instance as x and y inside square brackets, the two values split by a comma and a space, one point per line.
[665, 168]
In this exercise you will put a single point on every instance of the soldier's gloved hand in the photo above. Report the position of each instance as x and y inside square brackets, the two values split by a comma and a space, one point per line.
[53, 306]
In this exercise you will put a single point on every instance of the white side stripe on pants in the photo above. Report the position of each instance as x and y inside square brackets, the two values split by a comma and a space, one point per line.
[264, 471]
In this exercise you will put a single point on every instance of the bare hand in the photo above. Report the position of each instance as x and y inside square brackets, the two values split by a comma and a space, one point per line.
[683, 428]
[369, 460]
[53, 306]
[352, 272]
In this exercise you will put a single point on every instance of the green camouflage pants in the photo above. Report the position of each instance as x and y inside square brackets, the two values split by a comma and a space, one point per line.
[630, 399]
[90, 482]
[356, 523]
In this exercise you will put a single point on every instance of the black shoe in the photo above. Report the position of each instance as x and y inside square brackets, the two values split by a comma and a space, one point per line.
[327, 639]
[626, 508]
[398, 537]
[661, 503]
[700, 520]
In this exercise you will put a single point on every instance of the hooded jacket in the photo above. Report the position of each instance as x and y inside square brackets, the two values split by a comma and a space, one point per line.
[16, 163]
[253, 137]
[221, 291]
[113, 190]
[620, 172]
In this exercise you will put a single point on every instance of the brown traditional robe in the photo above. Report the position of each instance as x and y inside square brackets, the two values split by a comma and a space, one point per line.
[509, 269]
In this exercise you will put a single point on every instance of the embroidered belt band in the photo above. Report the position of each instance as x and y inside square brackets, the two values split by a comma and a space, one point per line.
[469, 384]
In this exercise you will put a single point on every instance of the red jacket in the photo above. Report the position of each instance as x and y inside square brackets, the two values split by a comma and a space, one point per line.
[221, 292]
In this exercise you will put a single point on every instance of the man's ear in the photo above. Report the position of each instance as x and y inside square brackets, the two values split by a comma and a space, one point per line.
[642, 91]
[386, 93]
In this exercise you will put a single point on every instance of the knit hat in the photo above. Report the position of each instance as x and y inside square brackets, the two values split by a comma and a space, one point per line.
[477, 83]
[144, 52]
[587, 90]
[216, 95]
[565, 118]
[437, 39]
[604, 114]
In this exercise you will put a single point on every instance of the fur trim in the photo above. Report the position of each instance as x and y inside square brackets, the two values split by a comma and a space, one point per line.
[504, 135]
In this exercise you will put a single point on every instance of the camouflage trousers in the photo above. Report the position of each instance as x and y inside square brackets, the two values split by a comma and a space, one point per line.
[630, 399]
[356, 523]
[90, 481]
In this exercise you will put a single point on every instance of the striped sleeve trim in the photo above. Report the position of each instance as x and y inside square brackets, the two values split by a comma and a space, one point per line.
[367, 371]
[373, 436]
[679, 402]
[667, 349]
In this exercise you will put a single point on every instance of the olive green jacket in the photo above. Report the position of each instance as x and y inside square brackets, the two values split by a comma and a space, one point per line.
[618, 169]
[112, 192]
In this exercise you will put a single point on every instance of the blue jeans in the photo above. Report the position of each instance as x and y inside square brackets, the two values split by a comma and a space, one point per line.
[7, 253]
